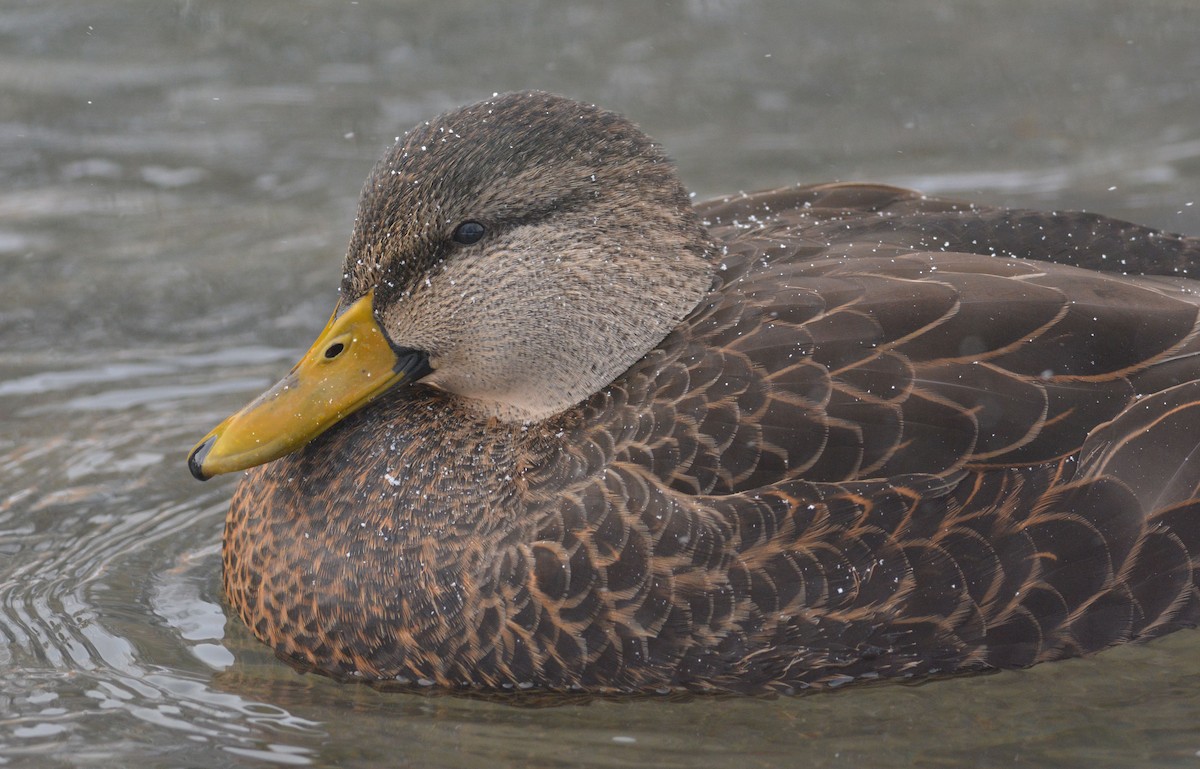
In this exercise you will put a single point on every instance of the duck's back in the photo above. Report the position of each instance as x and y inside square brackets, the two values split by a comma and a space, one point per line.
[864, 332]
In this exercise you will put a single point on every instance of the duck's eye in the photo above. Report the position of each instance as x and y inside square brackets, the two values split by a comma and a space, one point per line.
[468, 233]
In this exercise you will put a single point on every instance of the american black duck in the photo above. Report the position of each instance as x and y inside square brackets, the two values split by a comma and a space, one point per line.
[567, 431]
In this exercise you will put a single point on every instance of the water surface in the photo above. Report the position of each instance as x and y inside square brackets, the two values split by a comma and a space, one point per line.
[179, 180]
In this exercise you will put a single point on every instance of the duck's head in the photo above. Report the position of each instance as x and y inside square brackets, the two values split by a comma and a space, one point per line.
[519, 254]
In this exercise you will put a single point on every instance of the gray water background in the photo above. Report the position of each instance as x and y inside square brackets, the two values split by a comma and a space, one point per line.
[177, 185]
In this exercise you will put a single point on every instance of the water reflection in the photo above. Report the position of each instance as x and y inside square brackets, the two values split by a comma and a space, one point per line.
[179, 181]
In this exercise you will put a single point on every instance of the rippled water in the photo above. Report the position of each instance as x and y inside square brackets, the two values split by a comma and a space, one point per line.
[178, 184]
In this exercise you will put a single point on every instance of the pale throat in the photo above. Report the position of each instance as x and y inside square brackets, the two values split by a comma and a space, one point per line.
[535, 377]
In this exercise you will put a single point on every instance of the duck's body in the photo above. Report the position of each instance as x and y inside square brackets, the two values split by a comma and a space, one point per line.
[875, 445]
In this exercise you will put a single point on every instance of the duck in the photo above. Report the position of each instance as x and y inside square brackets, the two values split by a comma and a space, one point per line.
[569, 431]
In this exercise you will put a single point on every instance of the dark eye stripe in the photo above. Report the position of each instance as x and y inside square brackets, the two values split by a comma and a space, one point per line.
[468, 233]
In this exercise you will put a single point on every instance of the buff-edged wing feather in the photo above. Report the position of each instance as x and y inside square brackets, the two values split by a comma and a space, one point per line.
[872, 360]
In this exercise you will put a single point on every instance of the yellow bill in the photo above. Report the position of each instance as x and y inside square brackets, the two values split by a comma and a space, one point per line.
[349, 364]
